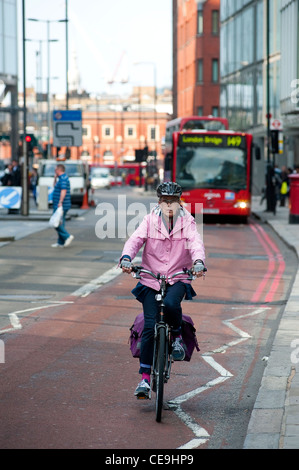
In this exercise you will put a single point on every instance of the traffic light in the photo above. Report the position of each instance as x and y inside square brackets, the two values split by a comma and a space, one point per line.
[30, 139]
[141, 155]
[29, 144]
[274, 141]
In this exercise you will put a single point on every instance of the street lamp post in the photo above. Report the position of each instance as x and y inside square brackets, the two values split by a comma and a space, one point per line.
[48, 73]
[25, 199]
[40, 41]
[155, 103]
[155, 97]
[270, 189]
[67, 54]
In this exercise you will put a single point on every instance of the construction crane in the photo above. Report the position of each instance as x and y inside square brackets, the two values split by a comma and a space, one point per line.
[124, 79]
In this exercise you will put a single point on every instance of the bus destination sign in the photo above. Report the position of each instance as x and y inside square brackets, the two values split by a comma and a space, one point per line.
[215, 140]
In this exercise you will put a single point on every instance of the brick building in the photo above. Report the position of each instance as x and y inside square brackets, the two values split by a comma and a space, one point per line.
[113, 126]
[196, 46]
[112, 132]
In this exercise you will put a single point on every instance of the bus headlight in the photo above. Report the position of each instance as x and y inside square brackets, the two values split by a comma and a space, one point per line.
[242, 205]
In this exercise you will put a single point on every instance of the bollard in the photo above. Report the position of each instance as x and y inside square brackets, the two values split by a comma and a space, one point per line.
[294, 199]
[43, 204]
[2, 352]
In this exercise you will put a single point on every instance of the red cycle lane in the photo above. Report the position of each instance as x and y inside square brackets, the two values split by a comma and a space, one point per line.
[69, 377]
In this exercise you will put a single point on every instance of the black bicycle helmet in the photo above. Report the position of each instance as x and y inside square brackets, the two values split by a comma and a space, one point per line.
[169, 189]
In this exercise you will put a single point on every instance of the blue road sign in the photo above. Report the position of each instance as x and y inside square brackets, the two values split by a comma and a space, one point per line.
[10, 197]
[73, 115]
[67, 128]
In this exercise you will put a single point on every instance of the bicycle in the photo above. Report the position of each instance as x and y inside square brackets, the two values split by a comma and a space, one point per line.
[162, 359]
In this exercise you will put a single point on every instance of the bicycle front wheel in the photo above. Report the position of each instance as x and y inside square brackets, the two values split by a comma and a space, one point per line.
[160, 372]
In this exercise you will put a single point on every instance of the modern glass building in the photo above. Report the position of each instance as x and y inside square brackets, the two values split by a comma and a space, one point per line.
[243, 66]
[9, 71]
[243, 59]
[290, 79]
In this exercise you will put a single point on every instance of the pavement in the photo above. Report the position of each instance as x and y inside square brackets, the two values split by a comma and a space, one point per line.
[274, 422]
[16, 226]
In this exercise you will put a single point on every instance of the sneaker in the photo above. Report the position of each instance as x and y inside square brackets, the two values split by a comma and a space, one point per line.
[178, 350]
[142, 391]
[57, 245]
[69, 240]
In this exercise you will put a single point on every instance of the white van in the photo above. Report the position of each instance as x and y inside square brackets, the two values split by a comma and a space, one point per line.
[77, 172]
[100, 178]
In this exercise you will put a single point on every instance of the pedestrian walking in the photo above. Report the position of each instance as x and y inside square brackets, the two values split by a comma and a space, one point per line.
[284, 188]
[33, 183]
[62, 197]
[7, 178]
[16, 174]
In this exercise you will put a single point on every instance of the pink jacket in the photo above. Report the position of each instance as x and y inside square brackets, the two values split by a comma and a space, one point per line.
[165, 253]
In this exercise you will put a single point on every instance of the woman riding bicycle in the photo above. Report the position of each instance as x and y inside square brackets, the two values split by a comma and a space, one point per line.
[171, 242]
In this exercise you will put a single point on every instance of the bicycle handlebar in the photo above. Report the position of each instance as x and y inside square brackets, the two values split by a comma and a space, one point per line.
[140, 269]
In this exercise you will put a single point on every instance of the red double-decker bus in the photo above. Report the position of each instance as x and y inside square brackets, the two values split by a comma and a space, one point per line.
[195, 123]
[214, 170]
[127, 173]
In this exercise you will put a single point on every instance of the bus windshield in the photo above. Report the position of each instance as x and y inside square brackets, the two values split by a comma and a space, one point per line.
[207, 167]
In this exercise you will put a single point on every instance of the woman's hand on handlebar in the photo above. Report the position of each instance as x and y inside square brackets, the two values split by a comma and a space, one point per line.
[198, 269]
[126, 266]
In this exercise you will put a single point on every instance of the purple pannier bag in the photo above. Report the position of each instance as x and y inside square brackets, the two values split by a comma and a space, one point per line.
[188, 334]
[136, 335]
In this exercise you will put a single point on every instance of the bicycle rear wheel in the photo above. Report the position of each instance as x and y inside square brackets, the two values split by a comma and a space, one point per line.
[160, 372]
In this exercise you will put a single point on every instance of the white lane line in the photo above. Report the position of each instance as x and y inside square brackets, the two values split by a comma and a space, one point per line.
[201, 435]
[15, 322]
[194, 444]
[211, 361]
[224, 348]
[193, 393]
[93, 285]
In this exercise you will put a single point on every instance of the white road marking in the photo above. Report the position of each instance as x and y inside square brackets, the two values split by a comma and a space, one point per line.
[98, 282]
[15, 322]
[201, 435]
[223, 372]
[95, 284]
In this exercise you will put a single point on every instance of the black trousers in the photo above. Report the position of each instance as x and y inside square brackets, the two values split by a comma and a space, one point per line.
[173, 316]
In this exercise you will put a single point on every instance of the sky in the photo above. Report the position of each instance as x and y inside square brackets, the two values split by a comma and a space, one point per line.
[109, 38]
